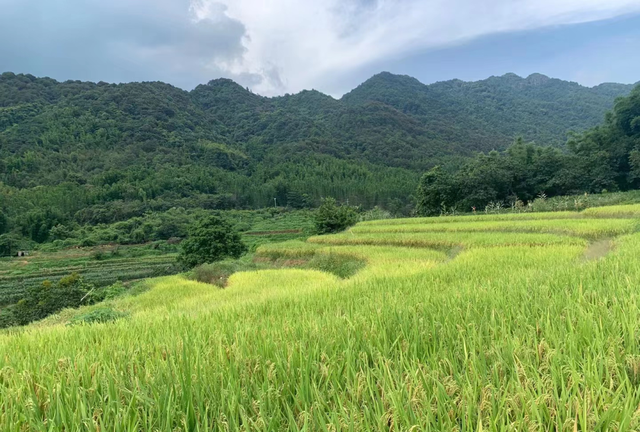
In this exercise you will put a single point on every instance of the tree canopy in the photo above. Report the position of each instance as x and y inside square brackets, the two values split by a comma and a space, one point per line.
[604, 158]
[210, 240]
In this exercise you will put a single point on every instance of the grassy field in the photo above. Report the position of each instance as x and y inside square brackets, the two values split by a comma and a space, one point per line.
[514, 323]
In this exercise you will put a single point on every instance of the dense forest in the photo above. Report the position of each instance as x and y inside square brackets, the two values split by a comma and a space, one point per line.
[605, 158]
[80, 154]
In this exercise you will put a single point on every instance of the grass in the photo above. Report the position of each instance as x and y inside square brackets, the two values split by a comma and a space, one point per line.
[493, 331]
[631, 211]
[476, 218]
[447, 240]
[588, 228]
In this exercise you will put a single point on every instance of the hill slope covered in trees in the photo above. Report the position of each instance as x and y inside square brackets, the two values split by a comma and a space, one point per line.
[98, 152]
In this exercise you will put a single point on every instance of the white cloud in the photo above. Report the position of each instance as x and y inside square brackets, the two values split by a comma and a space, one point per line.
[296, 44]
[272, 46]
[120, 40]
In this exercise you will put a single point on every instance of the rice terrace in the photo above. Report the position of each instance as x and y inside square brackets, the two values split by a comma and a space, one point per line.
[329, 216]
[469, 323]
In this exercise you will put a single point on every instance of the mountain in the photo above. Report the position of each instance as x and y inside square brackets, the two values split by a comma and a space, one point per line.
[98, 152]
[488, 114]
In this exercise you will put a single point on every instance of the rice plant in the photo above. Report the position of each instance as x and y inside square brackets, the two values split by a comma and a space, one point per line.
[489, 331]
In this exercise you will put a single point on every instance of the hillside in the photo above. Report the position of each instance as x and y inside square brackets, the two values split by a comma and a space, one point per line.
[524, 321]
[76, 147]
[488, 114]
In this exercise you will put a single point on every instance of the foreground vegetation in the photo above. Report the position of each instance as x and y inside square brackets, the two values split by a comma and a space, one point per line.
[491, 330]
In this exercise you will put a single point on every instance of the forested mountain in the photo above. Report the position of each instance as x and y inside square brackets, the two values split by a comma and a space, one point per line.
[604, 158]
[98, 152]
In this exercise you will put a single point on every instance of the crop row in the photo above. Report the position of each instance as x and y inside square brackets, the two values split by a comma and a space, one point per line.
[448, 240]
[12, 288]
[589, 228]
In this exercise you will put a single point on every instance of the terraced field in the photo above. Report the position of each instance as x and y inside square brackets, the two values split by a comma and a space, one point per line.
[17, 275]
[497, 322]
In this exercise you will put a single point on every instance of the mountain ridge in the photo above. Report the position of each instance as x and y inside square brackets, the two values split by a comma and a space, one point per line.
[152, 140]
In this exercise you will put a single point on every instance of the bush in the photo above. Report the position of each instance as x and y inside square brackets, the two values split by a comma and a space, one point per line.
[60, 232]
[48, 298]
[88, 242]
[99, 315]
[115, 290]
[331, 217]
[7, 318]
[211, 240]
[343, 266]
[218, 273]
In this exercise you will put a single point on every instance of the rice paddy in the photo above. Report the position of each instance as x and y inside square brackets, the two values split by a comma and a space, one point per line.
[486, 324]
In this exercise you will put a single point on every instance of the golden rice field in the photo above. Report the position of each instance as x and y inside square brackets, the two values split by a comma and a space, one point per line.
[479, 323]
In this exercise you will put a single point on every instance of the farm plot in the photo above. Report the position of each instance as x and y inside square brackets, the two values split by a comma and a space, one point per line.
[492, 330]
[17, 276]
[588, 228]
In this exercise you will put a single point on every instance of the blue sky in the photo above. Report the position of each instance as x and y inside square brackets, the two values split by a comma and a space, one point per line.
[589, 53]
[284, 46]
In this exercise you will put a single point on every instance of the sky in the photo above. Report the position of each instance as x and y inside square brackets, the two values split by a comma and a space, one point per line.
[284, 46]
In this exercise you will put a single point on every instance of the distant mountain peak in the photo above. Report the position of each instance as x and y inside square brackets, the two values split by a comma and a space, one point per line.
[222, 82]
[538, 79]
[511, 75]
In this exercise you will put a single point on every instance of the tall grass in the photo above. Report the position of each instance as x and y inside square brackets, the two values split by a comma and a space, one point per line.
[447, 240]
[578, 227]
[614, 211]
[476, 218]
[517, 337]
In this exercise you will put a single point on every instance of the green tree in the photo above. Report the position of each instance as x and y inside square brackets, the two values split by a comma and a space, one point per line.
[210, 240]
[331, 217]
[9, 244]
[435, 191]
[4, 223]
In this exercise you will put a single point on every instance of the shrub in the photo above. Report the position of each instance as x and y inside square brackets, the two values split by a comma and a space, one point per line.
[88, 242]
[216, 273]
[331, 217]
[60, 232]
[211, 240]
[49, 298]
[342, 266]
[7, 318]
[115, 290]
[99, 315]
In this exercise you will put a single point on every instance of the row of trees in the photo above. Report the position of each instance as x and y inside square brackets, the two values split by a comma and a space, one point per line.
[605, 158]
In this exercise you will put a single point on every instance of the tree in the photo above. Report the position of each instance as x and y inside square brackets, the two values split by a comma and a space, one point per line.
[212, 239]
[434, 192]
[37, 223]
[9, 244]
[4, 223]
[331, 217]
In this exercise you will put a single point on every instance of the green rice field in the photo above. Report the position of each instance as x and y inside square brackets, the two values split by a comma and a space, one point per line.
[519, 322]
